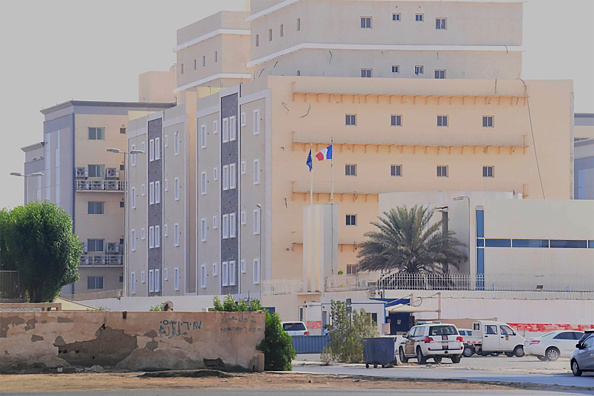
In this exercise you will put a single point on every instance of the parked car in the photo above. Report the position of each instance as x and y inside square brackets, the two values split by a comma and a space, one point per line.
[295, 328]
[587, 333]
[582, 359]
[492, 338]
[551, 346]
[434, 341]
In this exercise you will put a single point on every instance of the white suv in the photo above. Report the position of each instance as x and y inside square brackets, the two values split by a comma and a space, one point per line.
[295, 328]
[431, 341]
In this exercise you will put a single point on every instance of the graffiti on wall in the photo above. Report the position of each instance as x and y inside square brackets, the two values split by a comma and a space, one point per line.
[239, 323]
[174, 328]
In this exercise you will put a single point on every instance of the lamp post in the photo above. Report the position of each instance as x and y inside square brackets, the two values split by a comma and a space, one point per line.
[35, 174]
[260, 254]
[126, 211]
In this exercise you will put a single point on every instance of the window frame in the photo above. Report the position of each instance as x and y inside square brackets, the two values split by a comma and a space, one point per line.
[488, 171]
[488, 119]
[396, 170]
[441, 23]
[350, 120]
[396, 120]
[366, 22]
[350, 169]
[443, 121]
[442, 171]
[351, 220]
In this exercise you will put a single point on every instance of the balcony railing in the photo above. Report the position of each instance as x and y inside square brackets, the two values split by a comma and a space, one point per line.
[100, 185]
[102, 260]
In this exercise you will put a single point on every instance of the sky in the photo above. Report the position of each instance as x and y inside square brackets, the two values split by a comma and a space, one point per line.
[52, 51]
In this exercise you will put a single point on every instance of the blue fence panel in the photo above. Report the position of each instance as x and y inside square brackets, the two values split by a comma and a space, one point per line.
[310, 343]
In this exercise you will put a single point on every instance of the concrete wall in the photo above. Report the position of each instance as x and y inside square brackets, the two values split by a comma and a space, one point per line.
[134, 340]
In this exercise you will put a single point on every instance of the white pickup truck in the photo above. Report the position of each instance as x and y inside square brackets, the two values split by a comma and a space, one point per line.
[493, 338]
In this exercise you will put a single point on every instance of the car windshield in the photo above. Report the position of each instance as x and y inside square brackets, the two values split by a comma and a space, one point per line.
[293, 326]
[442, 330]
[548, 334]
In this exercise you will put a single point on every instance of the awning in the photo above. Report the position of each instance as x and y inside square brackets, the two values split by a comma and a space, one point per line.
[402, 308]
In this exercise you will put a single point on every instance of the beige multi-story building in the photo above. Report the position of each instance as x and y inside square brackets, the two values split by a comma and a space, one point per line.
[413, 96]
[88, 182]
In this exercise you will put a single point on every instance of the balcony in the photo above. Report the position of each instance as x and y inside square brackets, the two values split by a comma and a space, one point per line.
[101, 260]
[100, 185]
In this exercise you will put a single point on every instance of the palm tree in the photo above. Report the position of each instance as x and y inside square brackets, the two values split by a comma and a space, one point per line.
[405, 243]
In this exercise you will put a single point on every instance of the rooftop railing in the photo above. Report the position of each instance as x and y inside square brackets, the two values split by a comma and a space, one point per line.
[100, 185]
[102, 260]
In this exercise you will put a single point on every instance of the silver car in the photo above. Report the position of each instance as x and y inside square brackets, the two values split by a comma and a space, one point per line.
[582, 358]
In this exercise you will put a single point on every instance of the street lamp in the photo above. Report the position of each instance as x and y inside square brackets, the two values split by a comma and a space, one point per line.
[35, 174]
[260, 257]
[126, 211]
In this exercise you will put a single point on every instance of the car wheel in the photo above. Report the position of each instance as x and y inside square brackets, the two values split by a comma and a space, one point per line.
[437, 359]
[519, 351]
[509, 354]
[455, 358]
[421, 359]
[552, 353]
[366, 365]
[494, 353]
[575, 368]
[541, 358]
[468, 351]
[402, 356]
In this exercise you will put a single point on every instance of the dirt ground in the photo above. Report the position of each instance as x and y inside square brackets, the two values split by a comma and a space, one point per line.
[267, 380]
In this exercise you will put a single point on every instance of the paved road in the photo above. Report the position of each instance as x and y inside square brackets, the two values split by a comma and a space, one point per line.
[498, 369]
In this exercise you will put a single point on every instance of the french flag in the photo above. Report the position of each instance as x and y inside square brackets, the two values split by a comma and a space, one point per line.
[325, 154]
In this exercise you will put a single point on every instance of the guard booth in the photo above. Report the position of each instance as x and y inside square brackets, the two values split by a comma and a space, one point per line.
[400, 314]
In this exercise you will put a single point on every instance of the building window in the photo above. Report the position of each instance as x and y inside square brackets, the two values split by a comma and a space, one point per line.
[151, 150]
[298, 24]
[298, 72]
[215, 222]
[232, 225]
[396, 170]
[157, 191]
[165, 230]
[166, 141]
[225, 130]
[269, 34]
[257, 40]
[243, 266]
[396, 17]
[203, 60]
[225, 226]
[442, 171]
[419, 69]
[157, 236]
[215, 126]
[133, 156]
[225, 273]
[440, 23]
[351, 119]
[350, 170]
[123, 131]
[256, 271]
[176, 188]
[94, 282]
[488, 171]
[440, 74]
[203, 230]
[419, 17]
[256, 221]
[256, 171]
[215, 271]
[96, 133]
[121, 204]
[157, 148]
[243, 119]
[133, 240]
[442, 120]
[256, 122]
[396, 120]
[225, 177]
[96, 208]
[133, 282]
[365, 22]
[166, 185]
[143, 190]
[176, 278]
[203, 276]
[282, 30]
[203, 183]
[395, 69]
[243, 218]
[142, 234]
[366, 73]
[215, 173]
[216, 56]
[487, 121]
[157, 280]
[352, 269]
[232, 128]
[243, 168]
[351, 220]
[151, 281]
[96, 170]
[95, 245]
[232, 176]
[203, 136]
[133, 197]
[165, 274]
[151, 237]
[151, 193]
[182, 68]
[232, 273]
[176, 233]
[176, 143]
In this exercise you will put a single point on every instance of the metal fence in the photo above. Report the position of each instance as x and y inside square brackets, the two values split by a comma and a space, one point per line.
[100, 185]
[102, 260]
[9, 286]
[310, 343]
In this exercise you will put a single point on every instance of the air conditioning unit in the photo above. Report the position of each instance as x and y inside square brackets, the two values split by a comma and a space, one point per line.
[112, 247]
[112, 173]
[82, 172]
[112, 185]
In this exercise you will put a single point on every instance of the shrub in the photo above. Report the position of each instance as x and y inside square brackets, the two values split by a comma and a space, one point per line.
[347, 333]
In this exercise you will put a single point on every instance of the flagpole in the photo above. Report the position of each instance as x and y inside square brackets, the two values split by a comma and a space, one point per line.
[332, 172]
[311, 179]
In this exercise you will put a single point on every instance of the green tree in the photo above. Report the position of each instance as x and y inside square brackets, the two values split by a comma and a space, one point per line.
[406, 243]
[346, 333]
[41, 246]
[277, 345]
